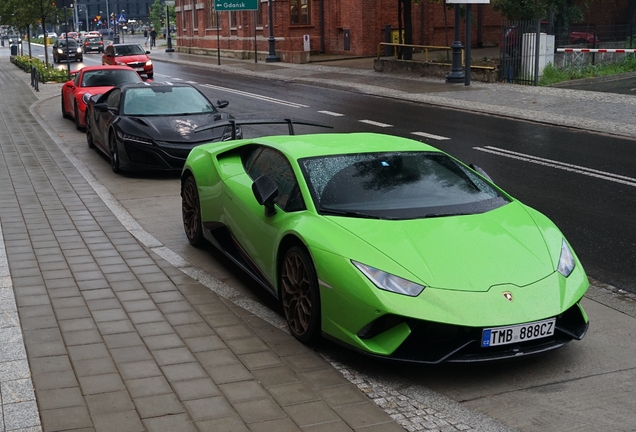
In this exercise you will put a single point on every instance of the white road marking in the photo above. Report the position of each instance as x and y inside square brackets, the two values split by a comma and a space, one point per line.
[331, 113]
[629, 181]
[191, 82]
[375, 123]
[431, 136]
[256, 96]
[177, 79]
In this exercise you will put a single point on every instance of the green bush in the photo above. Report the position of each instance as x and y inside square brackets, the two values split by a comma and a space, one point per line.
[553, 75]
[46, 74]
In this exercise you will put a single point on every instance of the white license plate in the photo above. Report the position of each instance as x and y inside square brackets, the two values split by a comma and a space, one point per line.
[139, 69]
[517, 333]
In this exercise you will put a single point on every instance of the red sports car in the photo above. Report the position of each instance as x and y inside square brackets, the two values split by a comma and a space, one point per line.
[129, 54]
[89, 81]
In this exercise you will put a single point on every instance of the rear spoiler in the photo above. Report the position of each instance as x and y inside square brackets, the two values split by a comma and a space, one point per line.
[237, 122]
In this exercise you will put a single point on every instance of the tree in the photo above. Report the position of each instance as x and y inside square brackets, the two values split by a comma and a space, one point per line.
[566, 11]
[157, 13]
[405, 16]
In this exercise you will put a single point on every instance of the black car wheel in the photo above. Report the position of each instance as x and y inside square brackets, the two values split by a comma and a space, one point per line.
[64, 114]
[150, 75]
[80, 59]
[78, 125]
[114, 153]
[299, 294]
[191, 211]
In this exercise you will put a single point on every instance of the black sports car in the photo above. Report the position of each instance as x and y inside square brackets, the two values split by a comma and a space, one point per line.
[153, 126]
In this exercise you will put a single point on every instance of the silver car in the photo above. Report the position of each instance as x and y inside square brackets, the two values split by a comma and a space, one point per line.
[93, 43]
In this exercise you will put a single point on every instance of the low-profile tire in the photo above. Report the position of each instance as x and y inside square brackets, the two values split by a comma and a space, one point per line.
[64, 113]
[299, 294]
[191, 211]
[113, 152]
[78, 125]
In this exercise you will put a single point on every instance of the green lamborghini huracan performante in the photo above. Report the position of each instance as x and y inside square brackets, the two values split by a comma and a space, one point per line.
[387, 245]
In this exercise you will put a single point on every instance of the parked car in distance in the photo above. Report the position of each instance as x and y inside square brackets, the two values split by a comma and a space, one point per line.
[151, 126]
[88, 81]
[74, 51]
[93, 43]
[129, 54]
[579, 37]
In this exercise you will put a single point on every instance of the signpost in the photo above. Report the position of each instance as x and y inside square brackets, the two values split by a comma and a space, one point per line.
[235, 5]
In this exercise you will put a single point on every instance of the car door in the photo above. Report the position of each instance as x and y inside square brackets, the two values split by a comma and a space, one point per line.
[259, 233]
[69, 89]
[103, 119]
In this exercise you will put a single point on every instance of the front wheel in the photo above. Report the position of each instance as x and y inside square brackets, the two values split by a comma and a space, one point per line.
[64, 114]
[114, 153]
[191, 211]
[299, 294]
[150, 75]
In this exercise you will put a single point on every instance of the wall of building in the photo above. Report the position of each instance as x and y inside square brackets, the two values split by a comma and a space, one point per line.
[364, 21]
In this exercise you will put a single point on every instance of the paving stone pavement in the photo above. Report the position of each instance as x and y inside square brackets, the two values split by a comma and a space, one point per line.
[118, 338]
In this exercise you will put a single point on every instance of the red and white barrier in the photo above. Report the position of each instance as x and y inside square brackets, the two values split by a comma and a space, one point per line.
[596, 50]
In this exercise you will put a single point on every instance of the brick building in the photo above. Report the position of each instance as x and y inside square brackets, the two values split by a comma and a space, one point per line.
[354, 27]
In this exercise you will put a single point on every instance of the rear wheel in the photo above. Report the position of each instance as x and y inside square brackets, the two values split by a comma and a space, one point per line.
[191, 211]
[114, 153]
[299, 294]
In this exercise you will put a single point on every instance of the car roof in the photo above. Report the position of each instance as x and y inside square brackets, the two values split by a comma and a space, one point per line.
[312, 145]
[104, 67]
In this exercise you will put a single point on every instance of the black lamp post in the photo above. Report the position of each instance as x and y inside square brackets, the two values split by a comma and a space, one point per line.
[271, 57]
[169, 39]
[457, 73]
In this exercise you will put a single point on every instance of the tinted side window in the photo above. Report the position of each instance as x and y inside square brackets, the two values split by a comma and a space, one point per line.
[260, 161]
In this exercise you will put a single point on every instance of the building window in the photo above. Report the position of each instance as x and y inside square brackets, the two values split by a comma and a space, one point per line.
[233, 20]
[211, 21]
[195, 16]
[259, 15]
[299, 12]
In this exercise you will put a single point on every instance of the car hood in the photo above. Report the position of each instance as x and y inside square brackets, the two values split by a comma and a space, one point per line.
[464, 253]
[175, 129]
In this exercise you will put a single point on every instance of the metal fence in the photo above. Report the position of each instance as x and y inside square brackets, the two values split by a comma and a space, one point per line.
[519, 59]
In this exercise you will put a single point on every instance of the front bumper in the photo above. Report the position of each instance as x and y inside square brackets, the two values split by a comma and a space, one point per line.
[429, 342]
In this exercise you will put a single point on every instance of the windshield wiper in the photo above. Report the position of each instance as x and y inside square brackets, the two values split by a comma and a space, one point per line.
[350, 213]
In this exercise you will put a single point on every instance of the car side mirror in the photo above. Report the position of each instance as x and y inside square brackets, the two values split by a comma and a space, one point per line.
[103, 107]
[480, 170]
[147, 52]
[222, 103]
[265, 191]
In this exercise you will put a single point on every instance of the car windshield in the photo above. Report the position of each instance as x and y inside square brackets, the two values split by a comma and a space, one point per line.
[126, 50]
[165, 100]
[92, 39]
[397, 185]
[104, 78]
[71, 43]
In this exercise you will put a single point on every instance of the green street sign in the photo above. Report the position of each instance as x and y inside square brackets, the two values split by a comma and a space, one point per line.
[235, 5]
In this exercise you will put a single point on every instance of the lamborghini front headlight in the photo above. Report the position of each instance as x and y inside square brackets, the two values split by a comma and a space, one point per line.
[566, 260]
[388, 282]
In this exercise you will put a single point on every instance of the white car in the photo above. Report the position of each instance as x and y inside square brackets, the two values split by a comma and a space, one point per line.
[52, 35]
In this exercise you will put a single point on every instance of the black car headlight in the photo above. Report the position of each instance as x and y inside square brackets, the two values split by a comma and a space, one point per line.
[388, 282]
[566, 260]
[132, 138]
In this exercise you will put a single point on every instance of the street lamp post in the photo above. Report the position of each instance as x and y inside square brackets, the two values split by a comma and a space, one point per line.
[271, 57]
[169, 39]
[457, 73]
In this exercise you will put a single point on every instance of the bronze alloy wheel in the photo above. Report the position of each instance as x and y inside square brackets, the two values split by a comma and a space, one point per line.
[114, 152]
[191, 211]
[299, 294]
